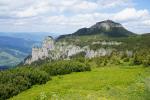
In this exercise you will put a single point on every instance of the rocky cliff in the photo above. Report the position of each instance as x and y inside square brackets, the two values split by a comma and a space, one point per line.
[94, 43]
[63, 50]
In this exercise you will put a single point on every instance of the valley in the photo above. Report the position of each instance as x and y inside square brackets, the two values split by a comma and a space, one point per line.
[14, 50]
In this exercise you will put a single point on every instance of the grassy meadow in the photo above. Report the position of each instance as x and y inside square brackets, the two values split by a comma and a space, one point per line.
[104, 83]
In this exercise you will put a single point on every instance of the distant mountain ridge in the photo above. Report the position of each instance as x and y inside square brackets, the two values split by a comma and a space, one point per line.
[34, 36]
[15, 43]
[14, 50]
[15, 46]
[3, 68]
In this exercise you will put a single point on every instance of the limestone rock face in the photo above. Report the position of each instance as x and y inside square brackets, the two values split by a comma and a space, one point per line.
[41, 53]
[48, 43]
[108, 43]
[57, 50]
[98, 53]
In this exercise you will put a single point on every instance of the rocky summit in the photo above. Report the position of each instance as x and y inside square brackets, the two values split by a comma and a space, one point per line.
[107, 27]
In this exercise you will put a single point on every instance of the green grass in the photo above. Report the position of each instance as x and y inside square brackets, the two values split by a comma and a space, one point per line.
[107, 83]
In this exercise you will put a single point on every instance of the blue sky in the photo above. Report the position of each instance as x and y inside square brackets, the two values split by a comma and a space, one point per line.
[66, 16]
[142, 4]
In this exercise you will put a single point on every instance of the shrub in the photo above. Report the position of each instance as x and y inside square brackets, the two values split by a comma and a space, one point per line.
[146, 61]
[16, 80]
[19, 79]
[65, 67]
[142, 57]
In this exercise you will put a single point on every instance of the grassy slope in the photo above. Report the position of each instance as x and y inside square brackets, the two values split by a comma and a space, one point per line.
[136, 42]
[110, 83]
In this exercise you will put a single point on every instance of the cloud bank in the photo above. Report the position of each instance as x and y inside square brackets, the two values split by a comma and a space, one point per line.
[66, 16]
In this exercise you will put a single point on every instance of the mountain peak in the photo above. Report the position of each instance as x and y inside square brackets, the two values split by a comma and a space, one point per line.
[106, 21]
[106, 27]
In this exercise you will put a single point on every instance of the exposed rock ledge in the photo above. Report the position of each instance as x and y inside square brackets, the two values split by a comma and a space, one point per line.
[61, 50]
[56, 50]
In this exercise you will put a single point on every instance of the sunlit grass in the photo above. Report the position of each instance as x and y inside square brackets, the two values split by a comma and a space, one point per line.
[106, 83]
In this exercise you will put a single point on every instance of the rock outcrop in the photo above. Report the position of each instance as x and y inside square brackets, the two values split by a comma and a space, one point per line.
[41, 52]
[57, 50]
[106, 25]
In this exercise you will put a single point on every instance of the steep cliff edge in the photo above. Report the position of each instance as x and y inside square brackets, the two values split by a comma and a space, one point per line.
[62, 50]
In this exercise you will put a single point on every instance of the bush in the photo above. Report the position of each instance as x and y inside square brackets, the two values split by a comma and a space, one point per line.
[16, 80]
[19, 79]
[142, 57]
[100, 61]
[146, 61]
[65, 67]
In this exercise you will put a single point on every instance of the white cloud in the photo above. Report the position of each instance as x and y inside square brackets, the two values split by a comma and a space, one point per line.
[84, 6]
[68, 15]
[114, 3]
[146, 22]
[30, 8]
[34, 10]
[131, 14]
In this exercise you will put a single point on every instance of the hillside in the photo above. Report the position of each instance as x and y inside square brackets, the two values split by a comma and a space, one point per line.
[105, 31]
[107, 83]
[146, 34]
[128, 39]
[107, 28]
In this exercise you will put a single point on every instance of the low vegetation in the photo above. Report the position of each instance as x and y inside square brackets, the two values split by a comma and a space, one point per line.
[65, 67]
[19, 79]
[16, 80]
[103, 83]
